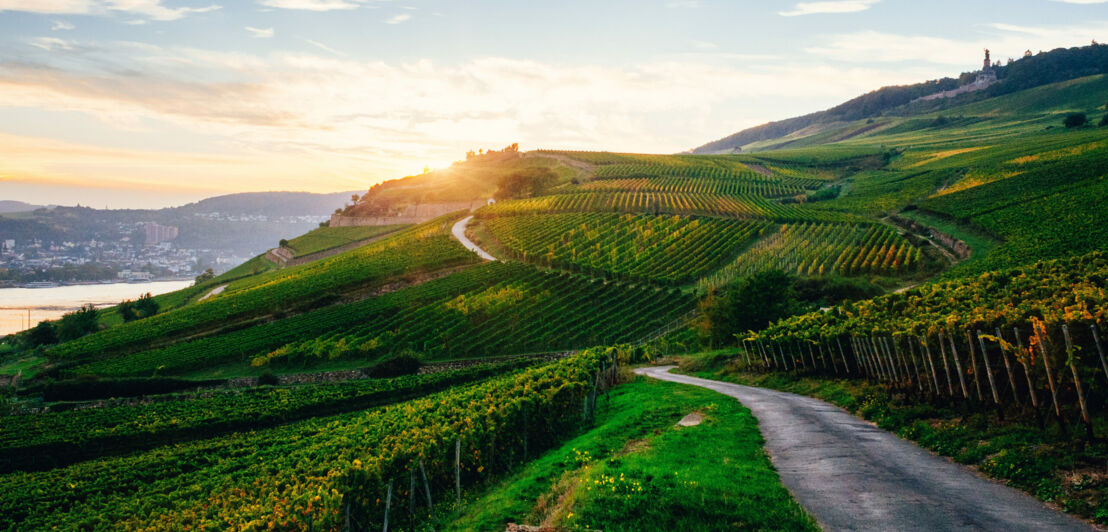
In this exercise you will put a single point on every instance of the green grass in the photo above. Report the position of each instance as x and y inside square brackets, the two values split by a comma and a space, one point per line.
[1043, 462]
[634, 470]
[29, 365]
[326, 238]
[980, 243]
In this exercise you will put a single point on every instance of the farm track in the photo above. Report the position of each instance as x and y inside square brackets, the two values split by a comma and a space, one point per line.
[851, 475]
[459, 232]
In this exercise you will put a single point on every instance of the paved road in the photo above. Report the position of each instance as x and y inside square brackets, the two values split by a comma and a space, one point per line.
[851, 475]
[459, 231]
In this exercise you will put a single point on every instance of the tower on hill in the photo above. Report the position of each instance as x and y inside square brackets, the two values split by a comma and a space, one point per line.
[988, 65]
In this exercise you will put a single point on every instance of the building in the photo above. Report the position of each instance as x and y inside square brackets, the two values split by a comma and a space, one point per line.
[157, 233]
[985, 78]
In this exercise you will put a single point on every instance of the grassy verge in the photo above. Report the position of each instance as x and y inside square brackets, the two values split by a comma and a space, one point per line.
[1055, 468]
[636, 470]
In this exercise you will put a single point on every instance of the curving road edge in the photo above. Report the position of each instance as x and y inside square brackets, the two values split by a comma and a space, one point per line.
[851, 475]
[459, 232]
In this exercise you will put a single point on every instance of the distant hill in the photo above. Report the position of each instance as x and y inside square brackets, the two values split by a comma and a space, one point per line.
[270, 204]
[1061, 64]
[16, 206]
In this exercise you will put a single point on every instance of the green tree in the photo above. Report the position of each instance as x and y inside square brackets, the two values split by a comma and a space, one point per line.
[1103, 121]
[127, 310]
[1075, 120]
[208, 275]
[751, 303]
[78, 323]
[146, 306]
[525, 183]
[42, 334]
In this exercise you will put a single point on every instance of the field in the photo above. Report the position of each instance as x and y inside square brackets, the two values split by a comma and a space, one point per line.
[326, 238]
[668, 249]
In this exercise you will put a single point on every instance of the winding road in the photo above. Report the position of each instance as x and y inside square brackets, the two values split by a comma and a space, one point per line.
[851, 475]
[459, 231]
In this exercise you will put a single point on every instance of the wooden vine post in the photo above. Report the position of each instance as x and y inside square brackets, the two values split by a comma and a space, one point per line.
[426, 487]
[958, 364]
[988, 368]
[1007, 365]
[834, 365]
[1072, 361]
[1049, 376]
[1099, 348]
[926, 348]
[388, 503]
[1026, 371]
[946, 365]
[458, 470]
[846, 365]
[915, 366]
[973, 363]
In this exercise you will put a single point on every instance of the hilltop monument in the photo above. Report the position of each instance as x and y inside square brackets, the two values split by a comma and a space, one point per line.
[985, 77]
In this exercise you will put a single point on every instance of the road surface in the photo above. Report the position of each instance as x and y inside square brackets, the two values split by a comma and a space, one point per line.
[459, 232]
[850, 475]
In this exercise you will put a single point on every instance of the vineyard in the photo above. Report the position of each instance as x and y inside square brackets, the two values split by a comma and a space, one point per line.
[825, 249]
[688, 185]
[419, 250]
[526, 310]
[724, 206]
[668, 249]
[1017, 339]
[317, 474]
[489, 310]
[44, 441]
[326, 238]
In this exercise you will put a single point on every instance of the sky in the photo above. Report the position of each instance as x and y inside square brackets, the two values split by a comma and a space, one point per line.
[152, 103]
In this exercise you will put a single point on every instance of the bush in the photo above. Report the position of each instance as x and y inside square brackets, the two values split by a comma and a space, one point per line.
[42, 334]
[268, 379]
[1075, 120]
[78, 323]
[396, 366]
[1103, 121]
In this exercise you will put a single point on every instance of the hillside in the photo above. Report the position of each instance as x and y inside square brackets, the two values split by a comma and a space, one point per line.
[7, 206]
[408, 375]
[1028, 72]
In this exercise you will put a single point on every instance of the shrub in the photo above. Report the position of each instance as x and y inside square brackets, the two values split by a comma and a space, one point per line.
[1075, 120]
[395, 366]
[268, 379]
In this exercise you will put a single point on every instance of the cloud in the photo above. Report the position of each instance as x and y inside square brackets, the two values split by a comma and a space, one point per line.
[61, 25]
[324, 47]
[259, 33]
[705, 45]
[836, 6]
[385, 119]
[310, 5]
[150, 9]
[1004, 40]
[398, 18]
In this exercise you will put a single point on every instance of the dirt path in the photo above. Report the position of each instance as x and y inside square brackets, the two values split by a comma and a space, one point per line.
[459, 232]
[851, 475]
[215, 292]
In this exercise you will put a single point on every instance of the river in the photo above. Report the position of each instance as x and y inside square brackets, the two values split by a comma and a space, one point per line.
[50, 303]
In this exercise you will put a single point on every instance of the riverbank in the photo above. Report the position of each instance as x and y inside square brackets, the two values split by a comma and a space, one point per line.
[22, 308]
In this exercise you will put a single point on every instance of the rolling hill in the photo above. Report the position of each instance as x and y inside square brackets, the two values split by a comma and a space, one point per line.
[984, 210]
